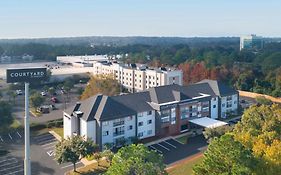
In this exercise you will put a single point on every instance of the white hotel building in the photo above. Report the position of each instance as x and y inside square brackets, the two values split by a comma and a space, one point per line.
[138, 78]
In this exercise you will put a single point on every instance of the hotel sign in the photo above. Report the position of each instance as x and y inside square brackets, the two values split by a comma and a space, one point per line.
[26, 75]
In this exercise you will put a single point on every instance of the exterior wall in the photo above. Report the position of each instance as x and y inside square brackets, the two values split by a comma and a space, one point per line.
[136, 80]
[108, 126]
[88, 129]
[147, 129]
[67, 123]
[214, 108]
[229, 104]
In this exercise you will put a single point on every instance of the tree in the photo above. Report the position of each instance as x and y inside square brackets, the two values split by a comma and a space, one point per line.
[108, 154]
[5, 115]
[74, 149]
[136, 160]
[101, 84]
[226, 156]
[211, 133]
[260, 131]
[36, 100]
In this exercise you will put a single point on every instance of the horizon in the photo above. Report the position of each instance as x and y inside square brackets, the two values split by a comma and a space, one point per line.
[160, 18]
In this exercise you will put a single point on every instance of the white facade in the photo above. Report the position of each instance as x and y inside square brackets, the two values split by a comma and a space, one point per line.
[146, 124]
[140, 78]
[229, 104]
[123, 128]
[214, 108]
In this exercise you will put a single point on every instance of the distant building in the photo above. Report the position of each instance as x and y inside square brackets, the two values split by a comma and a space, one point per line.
[251, 42]
[138, 77]
[157, 112]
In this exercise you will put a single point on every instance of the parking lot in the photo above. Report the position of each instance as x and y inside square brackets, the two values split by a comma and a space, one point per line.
[173, 150]
[10, 165]
[12, 137]
[47, 142]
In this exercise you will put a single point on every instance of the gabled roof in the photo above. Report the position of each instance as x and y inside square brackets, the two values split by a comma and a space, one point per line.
[219, 88]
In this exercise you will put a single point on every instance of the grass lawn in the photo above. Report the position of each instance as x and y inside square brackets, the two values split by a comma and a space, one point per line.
[59, 131]
[92, 169]
[185, 168]
[182, 139]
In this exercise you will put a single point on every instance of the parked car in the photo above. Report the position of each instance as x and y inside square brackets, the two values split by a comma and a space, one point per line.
[54, 100]
[44, 109]
[43, 93]
[19, 92]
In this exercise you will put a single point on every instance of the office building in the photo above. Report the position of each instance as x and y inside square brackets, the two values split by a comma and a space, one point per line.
[251, 42]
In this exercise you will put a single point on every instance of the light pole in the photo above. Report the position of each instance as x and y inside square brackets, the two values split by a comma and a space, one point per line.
[27, 168]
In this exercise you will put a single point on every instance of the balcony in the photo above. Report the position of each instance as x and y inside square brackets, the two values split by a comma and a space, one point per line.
[118, 133]
[118, 123]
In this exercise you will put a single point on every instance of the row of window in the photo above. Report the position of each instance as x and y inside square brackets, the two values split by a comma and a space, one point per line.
[148, 122]
[141, 134]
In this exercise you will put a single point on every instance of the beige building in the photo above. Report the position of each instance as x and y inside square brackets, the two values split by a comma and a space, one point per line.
[138, 78]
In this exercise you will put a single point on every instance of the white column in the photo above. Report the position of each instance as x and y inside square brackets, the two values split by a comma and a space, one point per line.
[27, 168]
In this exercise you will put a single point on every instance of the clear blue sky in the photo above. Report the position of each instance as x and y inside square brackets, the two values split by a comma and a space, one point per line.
[187, 18]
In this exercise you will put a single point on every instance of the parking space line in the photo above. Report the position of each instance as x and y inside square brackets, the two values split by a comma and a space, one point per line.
[4, 169]
[47, 143]
[7, 160]
[10, 136]
[170, 144]
[53, 146]
[1, 139]
[163, 147]
[44, 138]
[178, 141]
[155, 149]
[70, 165]
[18, 134]
[15, 171]
[5, 164]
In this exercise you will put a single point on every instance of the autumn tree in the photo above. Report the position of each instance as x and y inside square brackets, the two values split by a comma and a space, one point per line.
[137, 160]
[73, 149]
[211, 133]
[260, 131]
[36, 100]
[101, 84]
[226, 156]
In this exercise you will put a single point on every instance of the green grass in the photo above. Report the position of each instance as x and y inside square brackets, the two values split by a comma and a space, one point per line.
[182, 139]
[15, 125]
[186, 167]
[92, 169]
[59, 131]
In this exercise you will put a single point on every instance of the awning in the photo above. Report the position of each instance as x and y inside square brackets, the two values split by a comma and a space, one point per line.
[208, 122]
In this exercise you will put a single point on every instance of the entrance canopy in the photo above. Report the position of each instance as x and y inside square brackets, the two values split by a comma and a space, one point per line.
[207, 122]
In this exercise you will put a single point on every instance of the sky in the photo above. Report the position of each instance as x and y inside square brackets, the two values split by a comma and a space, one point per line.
[183, 18]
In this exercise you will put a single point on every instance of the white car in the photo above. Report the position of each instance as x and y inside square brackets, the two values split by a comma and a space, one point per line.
[19, 92]
[43, 93]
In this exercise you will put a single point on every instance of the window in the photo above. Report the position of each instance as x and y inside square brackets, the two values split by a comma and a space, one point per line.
[214, 106]
[130, 118]
[140, 124]
[140, 134]
[235, 102]
[149, 112]
[105, 123]
[223, 105]
[105, 133]
[149, 121]
[149, 132]
[214, 99]
[140, 114]
[130, 127]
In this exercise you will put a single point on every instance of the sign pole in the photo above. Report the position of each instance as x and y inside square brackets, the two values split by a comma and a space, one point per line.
[27, 168]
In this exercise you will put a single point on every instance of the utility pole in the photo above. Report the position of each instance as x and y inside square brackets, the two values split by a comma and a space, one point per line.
[27, 168]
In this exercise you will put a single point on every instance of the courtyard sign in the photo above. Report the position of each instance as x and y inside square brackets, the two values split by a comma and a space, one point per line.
[26, 75]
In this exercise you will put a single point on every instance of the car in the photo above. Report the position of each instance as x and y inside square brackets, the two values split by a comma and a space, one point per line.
[43, 93]
[54, 100]
[53, 107]
[44, 109]
[63, 91]
[19, 92]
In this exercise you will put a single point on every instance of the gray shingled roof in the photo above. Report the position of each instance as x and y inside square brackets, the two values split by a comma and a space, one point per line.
[218, 87]
[101, 107]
